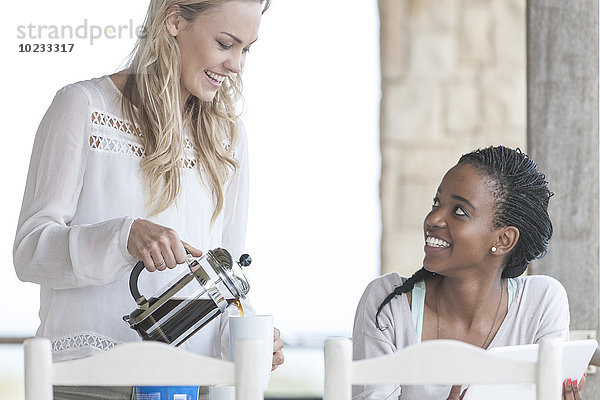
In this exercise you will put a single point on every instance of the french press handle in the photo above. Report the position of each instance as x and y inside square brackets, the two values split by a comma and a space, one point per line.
[133, 281]
[244, 261]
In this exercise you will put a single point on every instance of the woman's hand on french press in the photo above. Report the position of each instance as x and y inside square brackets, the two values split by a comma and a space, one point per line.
[157, 246]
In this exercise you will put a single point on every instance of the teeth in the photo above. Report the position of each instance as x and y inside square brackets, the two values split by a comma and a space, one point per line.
[435, 242]
[218, 78]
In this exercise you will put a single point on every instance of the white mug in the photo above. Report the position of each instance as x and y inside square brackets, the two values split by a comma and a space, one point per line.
[221, 392]
[254, 327]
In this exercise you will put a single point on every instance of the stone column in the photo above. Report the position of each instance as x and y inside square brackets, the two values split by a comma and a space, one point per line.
[453, 80]
[562, 135]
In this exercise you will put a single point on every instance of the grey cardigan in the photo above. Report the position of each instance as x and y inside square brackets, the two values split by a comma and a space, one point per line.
[539, 309]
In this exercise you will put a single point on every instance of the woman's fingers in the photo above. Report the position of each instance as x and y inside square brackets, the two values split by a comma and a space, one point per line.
[571, 390]
[277, 342]
[158, 258]
[567, 391]
[177, 252]
[278, 357]
[576, 390]
[193, 251]
[157, 246]
[454, 393]
[168, 259]
[148, 261]
[582, 382]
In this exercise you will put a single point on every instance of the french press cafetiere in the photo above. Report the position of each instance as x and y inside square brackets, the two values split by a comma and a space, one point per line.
[193, 299]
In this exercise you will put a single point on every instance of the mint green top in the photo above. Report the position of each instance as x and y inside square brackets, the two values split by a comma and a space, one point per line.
[418, 303]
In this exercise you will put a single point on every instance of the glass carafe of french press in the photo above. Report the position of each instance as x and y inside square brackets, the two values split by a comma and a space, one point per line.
[187, 303]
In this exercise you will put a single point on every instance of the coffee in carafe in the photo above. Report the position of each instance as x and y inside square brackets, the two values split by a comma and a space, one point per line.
[209, 285]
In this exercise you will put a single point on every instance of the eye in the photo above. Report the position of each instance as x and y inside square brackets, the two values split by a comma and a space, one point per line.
[458, 210]
[224, 46]
[436, 203]
[246, 50]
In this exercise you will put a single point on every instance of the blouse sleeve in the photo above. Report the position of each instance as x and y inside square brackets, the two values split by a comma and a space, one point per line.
[48, 249]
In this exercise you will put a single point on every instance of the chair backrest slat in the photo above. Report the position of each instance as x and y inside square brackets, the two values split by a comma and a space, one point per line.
[130, 364]
[435, 357]
[440, 362]
[142, 364]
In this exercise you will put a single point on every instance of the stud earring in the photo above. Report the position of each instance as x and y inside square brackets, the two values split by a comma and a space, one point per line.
[494, 249]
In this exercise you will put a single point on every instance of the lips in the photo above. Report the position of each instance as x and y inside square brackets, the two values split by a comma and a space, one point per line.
[433, 241]
[214, 77]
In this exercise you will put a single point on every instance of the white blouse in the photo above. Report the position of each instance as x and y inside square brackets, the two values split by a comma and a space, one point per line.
[84, 189]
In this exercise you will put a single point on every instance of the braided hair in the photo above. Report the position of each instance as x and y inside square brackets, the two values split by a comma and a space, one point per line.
[406, 287]
[521, 200]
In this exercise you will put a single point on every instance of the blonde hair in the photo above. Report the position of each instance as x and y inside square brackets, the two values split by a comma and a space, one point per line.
[152, 101]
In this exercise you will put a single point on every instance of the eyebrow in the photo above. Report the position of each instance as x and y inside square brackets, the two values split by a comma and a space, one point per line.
[459, 198]
[238, 40]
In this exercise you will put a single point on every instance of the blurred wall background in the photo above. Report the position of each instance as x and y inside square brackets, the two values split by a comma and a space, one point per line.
[453, 80]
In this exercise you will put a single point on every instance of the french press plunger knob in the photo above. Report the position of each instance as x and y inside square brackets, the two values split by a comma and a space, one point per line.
[245, 260]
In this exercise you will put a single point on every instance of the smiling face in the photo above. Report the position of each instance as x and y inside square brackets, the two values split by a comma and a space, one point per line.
[214, 45]
[459, 231]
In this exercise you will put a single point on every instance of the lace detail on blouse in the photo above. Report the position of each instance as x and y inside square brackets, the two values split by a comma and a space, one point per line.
[82, 340]
[189, 163]
[225, 141]
[121, 138]
[116, 146]
[103, 119]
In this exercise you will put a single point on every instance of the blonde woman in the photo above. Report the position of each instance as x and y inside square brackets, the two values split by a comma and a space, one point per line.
[132, 166]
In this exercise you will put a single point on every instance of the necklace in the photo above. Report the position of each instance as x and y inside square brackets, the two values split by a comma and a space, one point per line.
[437, 312]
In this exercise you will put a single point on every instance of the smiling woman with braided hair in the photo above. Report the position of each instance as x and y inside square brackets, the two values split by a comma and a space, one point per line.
[488, 221]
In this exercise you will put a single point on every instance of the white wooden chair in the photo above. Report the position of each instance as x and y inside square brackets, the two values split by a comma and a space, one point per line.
[440, 362]
[143, 364]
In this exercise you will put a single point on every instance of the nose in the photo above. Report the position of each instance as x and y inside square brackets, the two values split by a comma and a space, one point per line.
[235, 63]
[435, 219]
